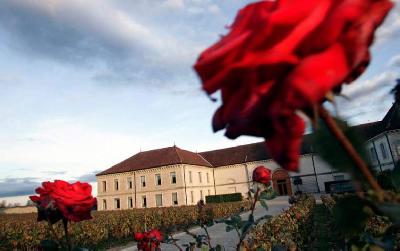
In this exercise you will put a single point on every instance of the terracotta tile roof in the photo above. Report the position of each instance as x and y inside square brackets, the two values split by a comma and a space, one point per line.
[155, 158]
[236, 155]
[246, 153]
[239, 154]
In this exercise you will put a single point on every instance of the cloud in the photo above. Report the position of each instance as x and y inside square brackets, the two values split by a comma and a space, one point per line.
[66, 148]
[174, 4]
[365, 88]
[394, 61]
[89, 177]
[364, 94]
[18, 186]
[94, 34]
[73, 30]
[391, 27]
[213, 8]
[54, 173]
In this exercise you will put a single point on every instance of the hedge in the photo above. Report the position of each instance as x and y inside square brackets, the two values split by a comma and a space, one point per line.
[376, 225]
[289, 230]
[230, 197]
[23, 232]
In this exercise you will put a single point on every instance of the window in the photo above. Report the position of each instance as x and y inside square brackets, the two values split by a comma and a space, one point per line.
[105, 204]
[104, 186]
[158, 200]
[338, 177]
[397, 144]
[173, 178]
[191, 196]
[144, 201]
[200, 179]
[190, 176]
[208, 178]
[383, 150]
[158, 179]
[201, 194]
[143, 181]
[129, 182]
[175, 199]
[116, 186]
[373, 154]
[130, 202]
[117, 204]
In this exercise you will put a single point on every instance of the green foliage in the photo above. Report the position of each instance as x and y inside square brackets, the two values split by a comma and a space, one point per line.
[389, 179]
[49, 245]
[369, 224]
[267, 194]
[231, 197]
[331, 150]
[264, 204]
[395, 177]
[351, 214]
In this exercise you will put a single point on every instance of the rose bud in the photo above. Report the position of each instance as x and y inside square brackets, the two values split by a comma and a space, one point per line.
[262, 175]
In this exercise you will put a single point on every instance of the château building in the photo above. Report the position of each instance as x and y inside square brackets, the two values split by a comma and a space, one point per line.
[173, 176]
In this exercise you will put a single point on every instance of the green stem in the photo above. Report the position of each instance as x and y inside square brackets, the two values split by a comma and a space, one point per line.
[175, 244]
[348, 147]
[253, 206]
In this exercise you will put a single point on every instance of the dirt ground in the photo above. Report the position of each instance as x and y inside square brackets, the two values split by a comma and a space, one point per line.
[18, 210]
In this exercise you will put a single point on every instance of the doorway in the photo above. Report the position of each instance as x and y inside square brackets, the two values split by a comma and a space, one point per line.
[282, 187]
[281, 182]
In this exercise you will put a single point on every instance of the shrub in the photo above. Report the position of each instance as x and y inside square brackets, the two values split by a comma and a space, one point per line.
[328, 201]
[23, 232]
[230, 197]
[290, 229]
[376, 229]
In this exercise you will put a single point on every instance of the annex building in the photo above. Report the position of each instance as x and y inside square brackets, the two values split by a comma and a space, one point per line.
[173, 176]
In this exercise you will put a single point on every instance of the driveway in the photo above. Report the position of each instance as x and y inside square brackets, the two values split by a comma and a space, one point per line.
[217, 232]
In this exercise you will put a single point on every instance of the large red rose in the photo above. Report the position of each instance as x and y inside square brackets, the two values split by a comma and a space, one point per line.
[73, 201]
[284, 56]
[262, 175]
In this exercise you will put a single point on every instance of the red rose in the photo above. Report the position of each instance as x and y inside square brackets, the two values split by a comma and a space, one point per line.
[73, 201]
[139, 236]
[148, 241]
[283, 56]
[46, 208]
[262, 175]
[155, 234]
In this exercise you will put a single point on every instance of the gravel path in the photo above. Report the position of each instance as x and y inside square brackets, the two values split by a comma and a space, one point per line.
[217, 232]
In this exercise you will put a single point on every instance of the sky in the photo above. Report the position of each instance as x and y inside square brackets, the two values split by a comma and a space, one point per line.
[85, 84]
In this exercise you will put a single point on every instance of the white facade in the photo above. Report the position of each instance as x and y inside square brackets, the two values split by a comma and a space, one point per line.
[384, 150]
[140, 189]
[186, 177]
